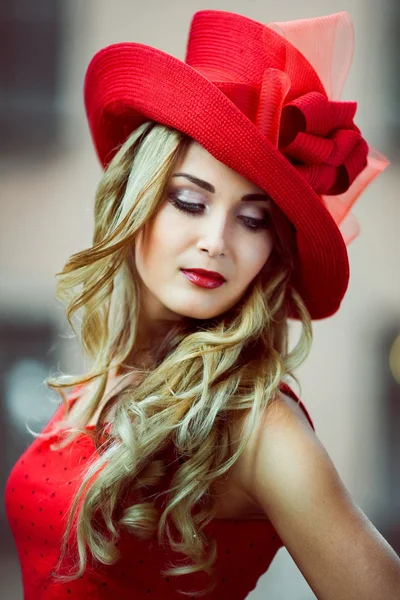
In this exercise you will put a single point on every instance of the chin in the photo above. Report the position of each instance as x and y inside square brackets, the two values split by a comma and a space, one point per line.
[203, 313]
[195, 307]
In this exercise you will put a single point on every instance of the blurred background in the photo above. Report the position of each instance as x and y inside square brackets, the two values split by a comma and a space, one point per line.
[48, 176]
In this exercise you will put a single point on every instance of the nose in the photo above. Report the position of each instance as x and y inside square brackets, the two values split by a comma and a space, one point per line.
[213, 238]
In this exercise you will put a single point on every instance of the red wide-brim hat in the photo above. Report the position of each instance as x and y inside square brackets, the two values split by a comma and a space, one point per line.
[263, 100]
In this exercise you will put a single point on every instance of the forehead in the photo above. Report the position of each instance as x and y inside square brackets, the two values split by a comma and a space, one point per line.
[196, 160]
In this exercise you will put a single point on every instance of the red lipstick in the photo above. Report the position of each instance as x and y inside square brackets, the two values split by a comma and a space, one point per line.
[203, 278]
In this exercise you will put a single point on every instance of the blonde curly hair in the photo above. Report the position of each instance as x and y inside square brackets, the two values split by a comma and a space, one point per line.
[205, 372]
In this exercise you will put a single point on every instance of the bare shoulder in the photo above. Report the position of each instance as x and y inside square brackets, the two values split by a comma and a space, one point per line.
[283, 431]
[288, 473]
[284, 410]
[282, 456]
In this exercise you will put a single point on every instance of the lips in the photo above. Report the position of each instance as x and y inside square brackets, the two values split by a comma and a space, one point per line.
[202, 278]
[208, 274]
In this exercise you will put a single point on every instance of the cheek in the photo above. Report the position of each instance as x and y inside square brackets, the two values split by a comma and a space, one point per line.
[161, 241]
[256, 254]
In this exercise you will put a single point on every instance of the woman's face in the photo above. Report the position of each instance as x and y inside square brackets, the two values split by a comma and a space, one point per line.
[205, 222]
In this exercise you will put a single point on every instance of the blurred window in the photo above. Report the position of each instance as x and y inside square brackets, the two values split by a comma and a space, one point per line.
[30, 45]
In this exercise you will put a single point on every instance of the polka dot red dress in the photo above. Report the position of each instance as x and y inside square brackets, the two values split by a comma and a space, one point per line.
[38, 494]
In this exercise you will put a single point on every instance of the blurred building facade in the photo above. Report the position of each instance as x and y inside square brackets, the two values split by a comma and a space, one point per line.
[47, 190]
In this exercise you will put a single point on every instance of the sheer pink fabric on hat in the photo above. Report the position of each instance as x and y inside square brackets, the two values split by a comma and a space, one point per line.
[331, 61]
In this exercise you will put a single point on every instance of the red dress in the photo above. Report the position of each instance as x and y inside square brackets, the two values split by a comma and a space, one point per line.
[38, 495]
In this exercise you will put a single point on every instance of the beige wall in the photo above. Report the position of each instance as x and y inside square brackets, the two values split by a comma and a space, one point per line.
[46, 216]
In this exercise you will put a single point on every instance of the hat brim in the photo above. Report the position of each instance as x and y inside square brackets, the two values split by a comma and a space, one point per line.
[129, 83]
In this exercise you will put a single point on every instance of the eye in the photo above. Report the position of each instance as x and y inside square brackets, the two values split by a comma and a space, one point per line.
[257, 224]
[186, 207]
[194, 208]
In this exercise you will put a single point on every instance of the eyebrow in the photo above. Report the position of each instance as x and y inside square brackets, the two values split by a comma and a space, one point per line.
[210, 188]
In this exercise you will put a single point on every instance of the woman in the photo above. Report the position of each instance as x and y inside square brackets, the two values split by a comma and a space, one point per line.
[182, 461]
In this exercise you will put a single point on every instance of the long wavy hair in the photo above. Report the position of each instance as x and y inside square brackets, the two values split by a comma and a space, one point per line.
[205, 372]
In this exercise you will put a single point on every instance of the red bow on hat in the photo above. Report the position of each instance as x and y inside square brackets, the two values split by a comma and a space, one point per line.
[319, 136]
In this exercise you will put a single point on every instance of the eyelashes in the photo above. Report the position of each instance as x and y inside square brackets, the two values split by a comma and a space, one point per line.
[194, 209]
